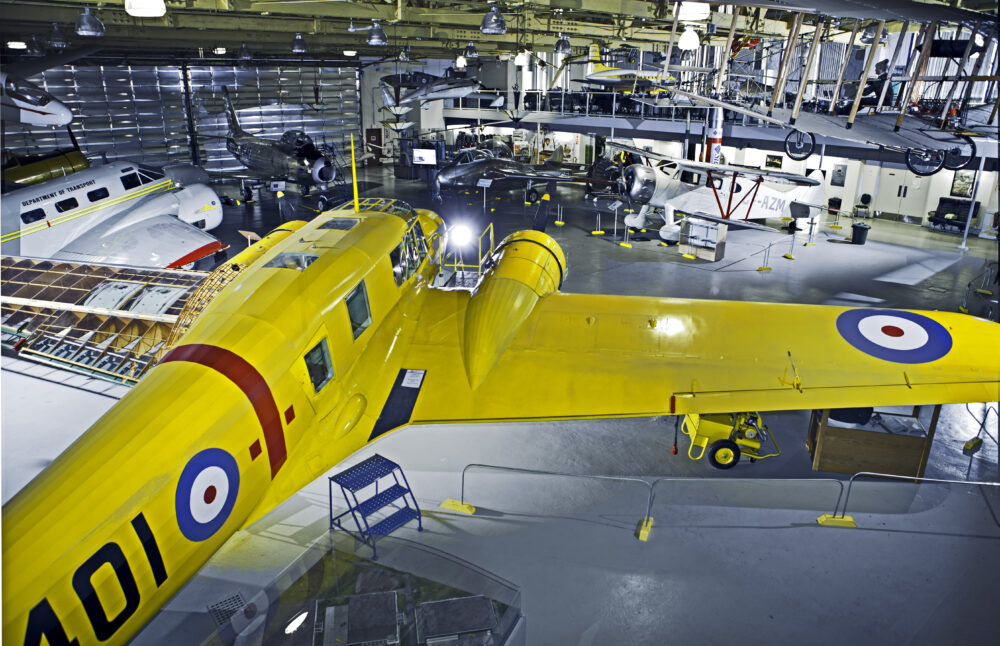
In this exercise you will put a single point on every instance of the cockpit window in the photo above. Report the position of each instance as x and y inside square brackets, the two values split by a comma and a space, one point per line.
[319, 366]
[293, 260]
[358, 309]
[26, 92]
[147, 174]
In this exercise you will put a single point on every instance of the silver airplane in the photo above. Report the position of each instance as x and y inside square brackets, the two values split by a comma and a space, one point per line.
[471, 167]
[118, 213]
[420, 87]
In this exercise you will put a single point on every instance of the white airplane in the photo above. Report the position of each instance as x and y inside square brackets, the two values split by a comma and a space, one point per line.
[24, 102]
[118, 213]
[739, 194]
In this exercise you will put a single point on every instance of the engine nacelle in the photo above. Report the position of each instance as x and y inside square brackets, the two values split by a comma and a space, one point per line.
[528, 266]
[323, 171]
[199, 205]
[645, 184]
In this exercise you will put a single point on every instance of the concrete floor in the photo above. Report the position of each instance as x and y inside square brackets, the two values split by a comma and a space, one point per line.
[733, 555]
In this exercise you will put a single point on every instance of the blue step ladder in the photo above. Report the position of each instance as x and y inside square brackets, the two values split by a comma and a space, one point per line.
[374, 471]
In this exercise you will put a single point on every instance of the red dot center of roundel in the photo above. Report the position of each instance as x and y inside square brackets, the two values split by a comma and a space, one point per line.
[210, 494]
[891, 330]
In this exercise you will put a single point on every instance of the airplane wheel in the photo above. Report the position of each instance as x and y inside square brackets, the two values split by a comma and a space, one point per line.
[321, 203]
[960, 156]
[723, 454]
[799, 145]
[532, 195]
[924, 162]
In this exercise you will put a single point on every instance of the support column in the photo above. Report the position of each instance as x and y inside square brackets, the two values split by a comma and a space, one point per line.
[724, 68]
[804, 77]
[925, 52]
[786, 62]
[864, 75]
[959, 73]
[843, 68]
[892, 65]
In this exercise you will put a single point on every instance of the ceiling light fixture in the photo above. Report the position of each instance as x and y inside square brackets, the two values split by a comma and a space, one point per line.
[689, 40]
[56, 38]
[471, 51]
[17, 44]
[494, 24]
[219, 51]
[694, 11]
[89, 25]
[460, 62]
[299, 44]
[145, 8]
[521, 59]
[350, 52]
[563, 45]
[377, 37]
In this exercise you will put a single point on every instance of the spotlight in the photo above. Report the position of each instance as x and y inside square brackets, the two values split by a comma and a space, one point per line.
[56, 38]
[350, 52]
[493, 23]
[87, 24]
[562, 45]
[459, 235]
[17, 44]
[689, 40]
[377, 37]
[471, 51]
[299, 44]
[145, 8]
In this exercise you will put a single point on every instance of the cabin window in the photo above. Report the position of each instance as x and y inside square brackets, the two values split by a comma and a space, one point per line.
[293, 260]
[319, 366]
[398, 259]
[147, 175]
[130, 181]
[341, 224]
[690, 178]
[358, 309]
[67, 205]
[34, 215]
[97, 194]
[714, 182]
[421, 242]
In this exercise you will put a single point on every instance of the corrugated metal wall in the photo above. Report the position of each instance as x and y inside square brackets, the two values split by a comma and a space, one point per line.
[138, 112]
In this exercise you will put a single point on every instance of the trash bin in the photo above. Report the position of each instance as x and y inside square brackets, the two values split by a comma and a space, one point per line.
[859, 233]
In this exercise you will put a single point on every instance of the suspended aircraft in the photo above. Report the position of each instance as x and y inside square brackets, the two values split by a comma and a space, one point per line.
[736, 193]
[330, 334]
[25, 102]
[118, 213]
[615, 77]
[421, 87]
[472, 167]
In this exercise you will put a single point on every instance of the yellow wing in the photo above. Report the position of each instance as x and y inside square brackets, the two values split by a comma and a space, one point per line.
[580, 356]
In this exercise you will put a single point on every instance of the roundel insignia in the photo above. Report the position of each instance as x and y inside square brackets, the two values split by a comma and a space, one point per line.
[893, 335]
[206, 493]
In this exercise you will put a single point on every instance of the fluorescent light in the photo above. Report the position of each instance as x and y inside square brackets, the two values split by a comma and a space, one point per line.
[377, 37]
[471, 51]
[89, 25]
[17, 44]
[494, 24]
[460, 62]
[350, 52]
[219, 51]
[689, 40]
[299, 44]
[296, 622]
[145, 8]
[694, 11]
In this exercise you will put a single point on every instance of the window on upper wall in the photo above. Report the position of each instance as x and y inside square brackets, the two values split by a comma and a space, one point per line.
[358, 309]
[319, 366]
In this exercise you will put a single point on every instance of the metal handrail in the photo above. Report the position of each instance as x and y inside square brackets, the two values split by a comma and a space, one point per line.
[891, 476]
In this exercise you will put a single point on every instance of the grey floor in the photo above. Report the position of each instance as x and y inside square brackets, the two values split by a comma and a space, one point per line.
[733, 555]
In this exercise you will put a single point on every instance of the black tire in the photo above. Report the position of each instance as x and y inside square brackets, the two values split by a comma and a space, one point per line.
[723, 454]
[799, 145]
[924, 162]
[960, 157]
[321, 203]
[532, 195]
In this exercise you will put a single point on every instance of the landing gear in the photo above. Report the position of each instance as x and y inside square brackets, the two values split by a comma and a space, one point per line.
[723, 454]
[531, 196]
[799, 145]
[924, 162]
[322, 204]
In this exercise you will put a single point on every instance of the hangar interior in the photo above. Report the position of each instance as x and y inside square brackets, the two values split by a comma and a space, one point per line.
[738, 378]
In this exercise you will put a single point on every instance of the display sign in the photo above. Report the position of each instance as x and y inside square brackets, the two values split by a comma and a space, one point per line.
[425, 156]
[277, 185]
[484, 183]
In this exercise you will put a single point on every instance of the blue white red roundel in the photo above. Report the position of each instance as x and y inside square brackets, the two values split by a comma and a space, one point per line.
[206, 493]
[893, 335]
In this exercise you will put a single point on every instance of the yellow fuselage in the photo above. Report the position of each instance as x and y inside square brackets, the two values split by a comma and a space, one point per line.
[223, 430]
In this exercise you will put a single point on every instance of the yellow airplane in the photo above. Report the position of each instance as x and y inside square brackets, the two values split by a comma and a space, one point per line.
[600, 74]
[331, 335]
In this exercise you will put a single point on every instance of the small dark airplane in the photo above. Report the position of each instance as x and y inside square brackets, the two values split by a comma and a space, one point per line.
[420, 87]
[471, 166]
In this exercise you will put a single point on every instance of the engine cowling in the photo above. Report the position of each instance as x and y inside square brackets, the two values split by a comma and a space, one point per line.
[528, 266]
[323, 171]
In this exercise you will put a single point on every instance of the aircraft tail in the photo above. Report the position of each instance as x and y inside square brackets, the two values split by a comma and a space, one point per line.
[594, 63]
[809, 200]
[234, 122]
[557, 155]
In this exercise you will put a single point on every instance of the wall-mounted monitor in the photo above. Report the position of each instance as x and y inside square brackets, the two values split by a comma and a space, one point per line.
[425, 156]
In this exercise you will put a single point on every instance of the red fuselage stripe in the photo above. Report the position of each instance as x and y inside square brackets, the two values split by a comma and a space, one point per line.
[197, 254]
[237, 370]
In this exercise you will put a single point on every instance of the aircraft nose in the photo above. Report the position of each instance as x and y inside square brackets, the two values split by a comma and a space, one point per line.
[61, 115]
